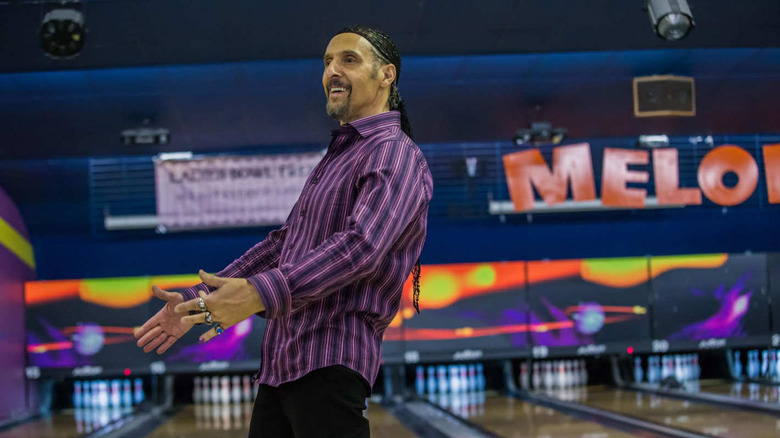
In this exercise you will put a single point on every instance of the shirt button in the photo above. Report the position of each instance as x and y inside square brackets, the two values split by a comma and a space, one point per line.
[290, 246]
[303, 213]
[315, 180]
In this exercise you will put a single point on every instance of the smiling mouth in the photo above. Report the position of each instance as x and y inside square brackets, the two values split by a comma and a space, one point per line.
[337, 91]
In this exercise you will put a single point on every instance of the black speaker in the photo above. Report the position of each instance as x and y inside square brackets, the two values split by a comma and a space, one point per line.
[657, 96]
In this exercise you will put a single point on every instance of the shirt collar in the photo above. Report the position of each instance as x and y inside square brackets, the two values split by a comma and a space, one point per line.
[366, 125]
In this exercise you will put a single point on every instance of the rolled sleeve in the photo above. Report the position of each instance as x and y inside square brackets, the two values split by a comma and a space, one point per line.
[274, 292]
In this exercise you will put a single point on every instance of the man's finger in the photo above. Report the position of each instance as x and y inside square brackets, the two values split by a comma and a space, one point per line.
[140, 331]
[166, 345]
[153, 333]
[210, 279]
[155, 343]
[164, 295]
[198, 318]
[148, 325]
[209, 335]
[187, 306]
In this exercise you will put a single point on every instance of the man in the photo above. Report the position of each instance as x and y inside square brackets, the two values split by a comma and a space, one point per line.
[329, 281]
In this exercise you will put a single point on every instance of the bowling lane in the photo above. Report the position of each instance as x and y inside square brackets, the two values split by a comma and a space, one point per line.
[69, 423]
[513, 418]
[692, 416]
[384, 424]
[750, 391]
[193, 421]
[232, 421]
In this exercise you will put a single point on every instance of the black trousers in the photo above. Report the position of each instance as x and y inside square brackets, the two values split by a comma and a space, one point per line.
[327, 402]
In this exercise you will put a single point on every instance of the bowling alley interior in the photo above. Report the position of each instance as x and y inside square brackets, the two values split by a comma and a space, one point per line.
[601, 250]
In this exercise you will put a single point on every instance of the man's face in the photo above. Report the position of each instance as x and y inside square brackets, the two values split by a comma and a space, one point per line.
[352, 79]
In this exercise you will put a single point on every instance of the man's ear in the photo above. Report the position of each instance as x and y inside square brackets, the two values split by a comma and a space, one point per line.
[388, 75]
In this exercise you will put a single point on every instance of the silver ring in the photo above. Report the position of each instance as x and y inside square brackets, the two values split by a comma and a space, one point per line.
[218, 328]
[208, 318]
[202, 305]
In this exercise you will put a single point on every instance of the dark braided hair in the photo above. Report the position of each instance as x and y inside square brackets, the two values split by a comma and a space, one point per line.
[384, 50]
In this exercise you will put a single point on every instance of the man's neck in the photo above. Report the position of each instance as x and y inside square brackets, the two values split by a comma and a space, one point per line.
[363, 116]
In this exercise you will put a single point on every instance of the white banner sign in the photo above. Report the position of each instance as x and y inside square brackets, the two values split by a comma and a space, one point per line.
[230, 191]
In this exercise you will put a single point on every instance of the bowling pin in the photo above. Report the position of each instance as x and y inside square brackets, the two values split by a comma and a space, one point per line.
[441, 372]
[127, 394]
[77, 396]
[764, 363]
[224, 393]
[547, 376]
[94, 393]
[777, 365]
[575, 373]
[561, 377]
[419, 380]
[216, 394]
[536, 378]
[205, 393]
[138, 391]
[737, 365]
[431, 380]
[196, 390]
[523, 379]
[584, 371]
[115, 399]
[464, 377]
[236, 389]
[454, 379]
[481, 383]
[86, 395]
[472, 371]
[104, 396]
[638, 371]
[753, 373]
[246, 382]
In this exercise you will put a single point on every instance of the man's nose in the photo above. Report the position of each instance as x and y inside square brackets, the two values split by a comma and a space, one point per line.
[332, 70]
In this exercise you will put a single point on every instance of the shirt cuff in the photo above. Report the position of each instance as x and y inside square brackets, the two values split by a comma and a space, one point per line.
[192, 292]
[272, 288]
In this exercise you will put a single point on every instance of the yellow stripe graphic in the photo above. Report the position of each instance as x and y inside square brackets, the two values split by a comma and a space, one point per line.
[16, 243]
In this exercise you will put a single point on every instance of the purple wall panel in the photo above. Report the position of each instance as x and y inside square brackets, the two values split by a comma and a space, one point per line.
[13, 273]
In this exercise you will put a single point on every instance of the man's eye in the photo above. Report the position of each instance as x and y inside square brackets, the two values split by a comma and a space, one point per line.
[350, 59]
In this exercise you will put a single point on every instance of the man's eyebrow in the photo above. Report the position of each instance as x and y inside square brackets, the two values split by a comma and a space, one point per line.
[343, 52]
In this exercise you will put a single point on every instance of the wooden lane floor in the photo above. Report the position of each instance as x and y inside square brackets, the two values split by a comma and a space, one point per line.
[70, 423]
[750, 391]
[681, 414]
[510, 417]
[232, 421]
[384, 425]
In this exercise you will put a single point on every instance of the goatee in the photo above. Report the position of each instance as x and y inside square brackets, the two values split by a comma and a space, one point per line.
[337, 111]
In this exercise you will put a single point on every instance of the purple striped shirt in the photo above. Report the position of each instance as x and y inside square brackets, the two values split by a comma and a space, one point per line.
[331, 278]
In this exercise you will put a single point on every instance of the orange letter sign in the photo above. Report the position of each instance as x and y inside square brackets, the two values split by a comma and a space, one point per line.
[667, 180]
[570, 163]
[720, 161]
[615, 175]
[772, 172]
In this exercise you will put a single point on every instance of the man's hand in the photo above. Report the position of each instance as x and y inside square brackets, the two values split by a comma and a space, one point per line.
[164, 328]
[234, 301]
